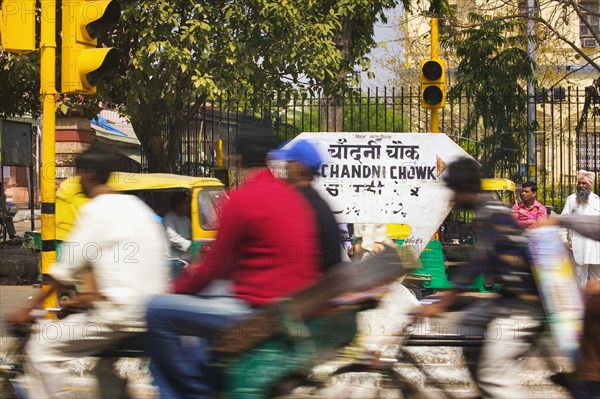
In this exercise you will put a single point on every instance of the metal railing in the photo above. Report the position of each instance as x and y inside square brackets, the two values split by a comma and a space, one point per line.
[560, 148]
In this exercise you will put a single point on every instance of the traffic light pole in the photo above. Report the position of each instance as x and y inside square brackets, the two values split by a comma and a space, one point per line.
[435, 116]
[531, 117]
[48, 170]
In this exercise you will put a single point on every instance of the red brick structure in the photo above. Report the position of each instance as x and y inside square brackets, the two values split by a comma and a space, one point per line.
[73, 136]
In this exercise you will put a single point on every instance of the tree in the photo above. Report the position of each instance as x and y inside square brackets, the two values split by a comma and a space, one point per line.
[560, 27]
[19, 85]
[182, 54]
[491, 74]
[178, 55]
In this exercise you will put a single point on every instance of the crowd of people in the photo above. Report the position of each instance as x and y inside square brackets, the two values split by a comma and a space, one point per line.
[276, 237]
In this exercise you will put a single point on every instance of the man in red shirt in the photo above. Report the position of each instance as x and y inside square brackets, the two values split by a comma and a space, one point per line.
[529, 212]
[267, 246]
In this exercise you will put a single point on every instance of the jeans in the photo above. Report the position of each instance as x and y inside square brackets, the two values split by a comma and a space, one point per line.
[585, 390]
[180, 363]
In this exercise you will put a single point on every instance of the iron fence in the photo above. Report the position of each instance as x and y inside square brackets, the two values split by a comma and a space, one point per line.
[560, 148]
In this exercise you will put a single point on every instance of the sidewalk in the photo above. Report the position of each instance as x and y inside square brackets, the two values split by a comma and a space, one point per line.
[19, 265]
[25, 225]
[22, 221]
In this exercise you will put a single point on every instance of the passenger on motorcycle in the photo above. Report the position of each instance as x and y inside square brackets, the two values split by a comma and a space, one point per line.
[302, 164]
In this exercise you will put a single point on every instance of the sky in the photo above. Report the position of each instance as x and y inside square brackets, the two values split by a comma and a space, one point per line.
[385, 35]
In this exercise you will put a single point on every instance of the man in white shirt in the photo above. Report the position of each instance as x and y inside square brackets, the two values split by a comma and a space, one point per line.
[117, 240]
[372, 238]
[586, 252]
[178, 225]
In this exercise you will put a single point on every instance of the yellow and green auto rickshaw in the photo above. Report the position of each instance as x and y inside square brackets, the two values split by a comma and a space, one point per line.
[155, 189]
[503, 189]
[454, 247]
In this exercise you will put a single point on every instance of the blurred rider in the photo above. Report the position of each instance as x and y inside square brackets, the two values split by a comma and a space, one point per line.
[267, 246]
[508, 321]
[120, 244]
[302, 164]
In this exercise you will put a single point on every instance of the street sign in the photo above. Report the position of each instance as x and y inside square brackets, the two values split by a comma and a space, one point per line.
[392, 178]
[15, 143]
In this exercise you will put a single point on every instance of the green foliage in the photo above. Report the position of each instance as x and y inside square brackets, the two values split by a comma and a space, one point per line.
[492, 74]
[180, 54]
[437, 8]
[20, 85]
[77, 105]
[372, 115]
[361, 114]
[590, 106]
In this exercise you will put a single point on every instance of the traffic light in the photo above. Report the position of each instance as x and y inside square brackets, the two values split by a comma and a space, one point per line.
[433, 83]
[84, 65]
[17, 26]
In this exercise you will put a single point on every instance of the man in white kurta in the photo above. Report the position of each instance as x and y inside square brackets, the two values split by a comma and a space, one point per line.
[586, 252]
[117, 240]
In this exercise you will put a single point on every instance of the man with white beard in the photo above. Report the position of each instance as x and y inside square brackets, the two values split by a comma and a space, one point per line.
[586, 252]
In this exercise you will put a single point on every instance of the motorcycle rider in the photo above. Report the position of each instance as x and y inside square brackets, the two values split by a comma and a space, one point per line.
[118, 243]
[506, 321]
[267, 246]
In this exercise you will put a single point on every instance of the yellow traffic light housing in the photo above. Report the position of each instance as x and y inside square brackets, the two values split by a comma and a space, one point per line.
[433, 83]
[17, 26]
[84, 65]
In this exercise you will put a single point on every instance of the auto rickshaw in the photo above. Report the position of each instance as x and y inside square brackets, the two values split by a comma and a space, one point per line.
[503, 189]
[451, 247]
[154, 189]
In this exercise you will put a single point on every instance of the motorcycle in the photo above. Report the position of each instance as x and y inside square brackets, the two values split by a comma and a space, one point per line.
[273, 351]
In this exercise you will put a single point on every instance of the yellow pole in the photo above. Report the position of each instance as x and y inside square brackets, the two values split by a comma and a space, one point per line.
[219, 153]
[48, 175]
[435, 116]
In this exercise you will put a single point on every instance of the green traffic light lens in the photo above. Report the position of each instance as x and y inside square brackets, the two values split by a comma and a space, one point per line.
[432, 70]
[433, 95]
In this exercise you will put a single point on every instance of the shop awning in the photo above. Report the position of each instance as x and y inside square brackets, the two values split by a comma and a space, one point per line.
[121, 133]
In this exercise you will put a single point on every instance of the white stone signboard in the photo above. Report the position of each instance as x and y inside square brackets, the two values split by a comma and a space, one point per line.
[386, 178]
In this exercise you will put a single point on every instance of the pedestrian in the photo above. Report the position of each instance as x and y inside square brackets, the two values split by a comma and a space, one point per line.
[529, 212]
[508, 321]
[118, 242]
[6, 217]
[586, 252]
[346, 233]
[267, 246]
[302, 164]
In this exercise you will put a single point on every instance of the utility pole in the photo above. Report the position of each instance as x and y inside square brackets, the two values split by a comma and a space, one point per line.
[17, 31]
[531, 117]
[83, 65]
